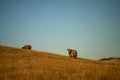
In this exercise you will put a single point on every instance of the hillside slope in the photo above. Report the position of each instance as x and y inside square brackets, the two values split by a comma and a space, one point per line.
[19, 64]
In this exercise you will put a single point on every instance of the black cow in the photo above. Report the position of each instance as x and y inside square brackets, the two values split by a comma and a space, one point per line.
[72, 53]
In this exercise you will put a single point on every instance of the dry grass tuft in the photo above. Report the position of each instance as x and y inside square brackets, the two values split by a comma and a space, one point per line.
[19, 64]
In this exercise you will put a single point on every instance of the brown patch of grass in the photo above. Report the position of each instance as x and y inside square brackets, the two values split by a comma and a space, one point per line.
[19, 64]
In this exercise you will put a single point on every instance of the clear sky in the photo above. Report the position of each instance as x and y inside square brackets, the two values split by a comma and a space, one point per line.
[92, 27]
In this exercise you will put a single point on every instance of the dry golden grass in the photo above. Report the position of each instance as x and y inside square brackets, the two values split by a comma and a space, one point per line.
[19, 64]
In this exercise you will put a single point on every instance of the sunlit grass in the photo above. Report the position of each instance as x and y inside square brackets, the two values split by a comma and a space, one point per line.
[19, 64]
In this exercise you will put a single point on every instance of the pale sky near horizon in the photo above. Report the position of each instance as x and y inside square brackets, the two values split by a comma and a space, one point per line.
[92, 27]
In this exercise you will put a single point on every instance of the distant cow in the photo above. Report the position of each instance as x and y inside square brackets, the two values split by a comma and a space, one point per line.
[72, 53]
[28, 47]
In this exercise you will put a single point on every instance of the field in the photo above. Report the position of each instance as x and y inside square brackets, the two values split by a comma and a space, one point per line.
[19, 64]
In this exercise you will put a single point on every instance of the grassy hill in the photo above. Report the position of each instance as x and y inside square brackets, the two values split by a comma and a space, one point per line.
[19, 64]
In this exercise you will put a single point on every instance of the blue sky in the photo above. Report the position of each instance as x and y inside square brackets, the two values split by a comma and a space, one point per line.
[92, 27]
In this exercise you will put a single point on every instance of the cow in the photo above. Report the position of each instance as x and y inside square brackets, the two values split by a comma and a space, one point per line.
[27, 47]
[72, 53]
